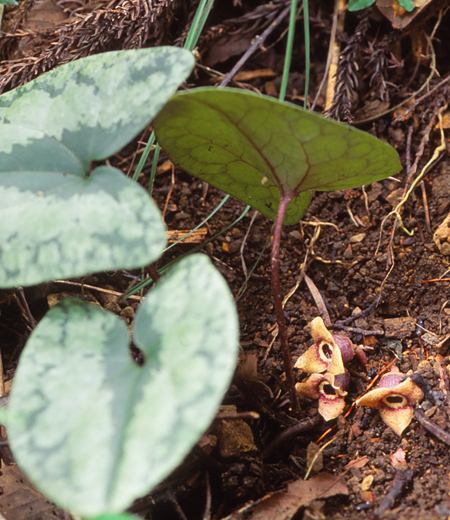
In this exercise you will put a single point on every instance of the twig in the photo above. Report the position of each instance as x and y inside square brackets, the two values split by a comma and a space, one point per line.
[31, 319]
[257, 42]
[362, 314]
[244, 241]
[172, 184]
[358, 330]
[402, 478]
[433, 428]
[425, 207]
[396, 211]
[208, 501]
[288, 434]
[173, 499]
[99, 289]
[238, 416]
[422, 98]
[333, 54]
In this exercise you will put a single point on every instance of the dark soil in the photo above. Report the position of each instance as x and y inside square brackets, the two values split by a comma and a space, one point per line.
[357, 257]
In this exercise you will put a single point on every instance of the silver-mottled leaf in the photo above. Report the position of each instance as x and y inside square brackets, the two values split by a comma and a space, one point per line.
[94, 106]
[92, 429]
[26, 149]
[61, 225]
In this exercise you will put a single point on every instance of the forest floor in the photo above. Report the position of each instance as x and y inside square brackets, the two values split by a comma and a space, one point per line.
[347, 255]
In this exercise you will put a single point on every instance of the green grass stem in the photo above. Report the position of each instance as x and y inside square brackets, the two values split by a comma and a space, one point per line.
[307, 49]
[198, 23]
[289, 46]
[201, 15]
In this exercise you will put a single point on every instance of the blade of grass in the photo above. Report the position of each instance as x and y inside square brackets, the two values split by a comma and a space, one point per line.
[201, 15]
[198, 23]
[153, 170]
[307, 49]
[252, 270]
[144, 156]
[289, 46]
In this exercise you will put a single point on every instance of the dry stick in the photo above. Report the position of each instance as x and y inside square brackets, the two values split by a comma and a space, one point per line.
[208, 502]
[419, 153]
[172, 184]
[396, 211]
[408, 151]
[288, 434]
[425, 206]
[31, 320]
[282, 329]
[174, 501]
[327, 73]
[244, 241]
[257, 42]
[401, 479]
[410, 171]
[433, 428]
[99, 289]
[340, 8]
[318, 300]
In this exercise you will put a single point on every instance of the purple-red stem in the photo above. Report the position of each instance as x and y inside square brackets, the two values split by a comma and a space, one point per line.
[278, 302]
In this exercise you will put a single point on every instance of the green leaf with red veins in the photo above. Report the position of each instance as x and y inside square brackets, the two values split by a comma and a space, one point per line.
[256, 148]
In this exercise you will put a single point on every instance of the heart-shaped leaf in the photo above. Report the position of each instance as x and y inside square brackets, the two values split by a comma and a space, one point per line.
[255, 147]
[61, 226]
[94, 430]
[27, 149]
[96, 105]
[61, 220]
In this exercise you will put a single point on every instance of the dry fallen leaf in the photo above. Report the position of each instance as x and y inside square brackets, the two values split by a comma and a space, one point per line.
[398, 16]
[20, 501]
[282, 505]
[398, 460]
[358, 463]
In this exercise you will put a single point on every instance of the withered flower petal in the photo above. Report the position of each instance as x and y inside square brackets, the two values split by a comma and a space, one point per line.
[395, 396]
[318, 358]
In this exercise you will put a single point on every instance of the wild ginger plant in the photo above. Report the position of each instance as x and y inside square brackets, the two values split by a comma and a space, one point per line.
[91, 428]
[270, 155]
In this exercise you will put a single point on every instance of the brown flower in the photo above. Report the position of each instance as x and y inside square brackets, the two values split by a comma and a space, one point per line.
[318, 357]
[395, 396]
[325, 387]
[329, 388]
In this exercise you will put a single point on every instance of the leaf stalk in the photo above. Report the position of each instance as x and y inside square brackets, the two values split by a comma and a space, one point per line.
[278, 302]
